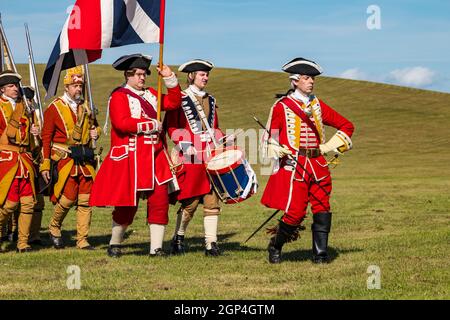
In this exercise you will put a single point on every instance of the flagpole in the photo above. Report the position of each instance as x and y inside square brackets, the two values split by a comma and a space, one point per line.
[161, 54]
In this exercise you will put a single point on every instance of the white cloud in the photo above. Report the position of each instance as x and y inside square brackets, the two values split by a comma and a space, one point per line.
[414, 77]
[353, 74]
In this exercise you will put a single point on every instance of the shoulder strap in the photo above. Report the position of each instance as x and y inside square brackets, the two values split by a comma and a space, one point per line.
[299, 112]
[146, 106]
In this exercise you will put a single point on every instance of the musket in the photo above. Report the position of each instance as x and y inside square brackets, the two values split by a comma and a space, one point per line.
[2, 54]
[92, 118]
[33, 78]
[11, 58]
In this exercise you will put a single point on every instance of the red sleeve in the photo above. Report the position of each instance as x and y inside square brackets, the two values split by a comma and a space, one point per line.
[176, 125]
[171, 100]
[277, 122]
[48, 129]
[331, 117]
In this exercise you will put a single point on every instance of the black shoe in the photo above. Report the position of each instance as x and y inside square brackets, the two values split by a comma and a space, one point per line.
[320, 259]
[114, 251]
[274, 253]
[24, 250]
[177, 245]
[214, 251]
[13, 236]
[158, 253]
[58, 242]
[89, 247]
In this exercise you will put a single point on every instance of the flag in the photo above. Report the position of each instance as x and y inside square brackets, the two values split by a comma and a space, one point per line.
[94, 25]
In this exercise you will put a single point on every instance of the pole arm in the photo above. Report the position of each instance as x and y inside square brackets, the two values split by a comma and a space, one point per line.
[35, 81]
[91, 103]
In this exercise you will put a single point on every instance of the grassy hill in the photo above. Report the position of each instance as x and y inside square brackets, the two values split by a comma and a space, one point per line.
[390, 206]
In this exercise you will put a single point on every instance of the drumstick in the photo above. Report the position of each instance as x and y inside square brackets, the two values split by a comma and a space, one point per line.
[236, 133]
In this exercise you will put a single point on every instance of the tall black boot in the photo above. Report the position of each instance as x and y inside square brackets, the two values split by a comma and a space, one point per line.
[285, 233]
[320, 229]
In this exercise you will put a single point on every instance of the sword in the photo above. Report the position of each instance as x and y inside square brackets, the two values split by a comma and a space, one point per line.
[260, 227]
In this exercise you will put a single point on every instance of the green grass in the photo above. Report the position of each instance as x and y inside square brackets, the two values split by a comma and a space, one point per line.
[390, 208]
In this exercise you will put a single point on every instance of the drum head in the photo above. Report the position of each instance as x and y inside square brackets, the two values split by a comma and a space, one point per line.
[225, 159]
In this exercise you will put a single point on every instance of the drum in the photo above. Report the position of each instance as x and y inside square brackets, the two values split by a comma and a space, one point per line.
[231, 175]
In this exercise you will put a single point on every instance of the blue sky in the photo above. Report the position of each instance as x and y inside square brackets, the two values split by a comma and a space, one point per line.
[411, 48]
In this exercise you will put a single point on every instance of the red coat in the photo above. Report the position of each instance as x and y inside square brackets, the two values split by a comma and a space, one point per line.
[14, 163]
[59, 123]
[136, 160]
[185, 129]
[279, 188]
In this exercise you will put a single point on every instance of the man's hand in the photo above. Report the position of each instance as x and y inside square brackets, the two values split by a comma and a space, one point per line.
[93, 133]
[165, 71]
[278, 151]
[35, 130]
[46, 176]
[230, 139]
[157, 125]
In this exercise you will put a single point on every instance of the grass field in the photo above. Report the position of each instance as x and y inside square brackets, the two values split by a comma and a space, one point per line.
[390, 208]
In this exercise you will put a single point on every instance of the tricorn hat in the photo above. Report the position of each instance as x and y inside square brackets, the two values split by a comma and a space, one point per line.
[8, 77]
[302, 66]
[137, 60]
[196, 65]
[29, 92]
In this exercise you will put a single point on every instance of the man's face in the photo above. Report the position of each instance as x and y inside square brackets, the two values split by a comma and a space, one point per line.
[137, 81]
[74, 91]
[305, 84]
[201, 79]
[11, 90]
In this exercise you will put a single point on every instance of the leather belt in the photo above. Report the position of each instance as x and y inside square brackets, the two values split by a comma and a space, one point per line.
[309, 153]
[8, 147]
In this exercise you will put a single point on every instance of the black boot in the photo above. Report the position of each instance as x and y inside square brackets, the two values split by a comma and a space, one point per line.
[177, 245]
[320, 229]
[285, 233]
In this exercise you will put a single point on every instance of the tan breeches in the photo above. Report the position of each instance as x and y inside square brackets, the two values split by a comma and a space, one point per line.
[211, 205]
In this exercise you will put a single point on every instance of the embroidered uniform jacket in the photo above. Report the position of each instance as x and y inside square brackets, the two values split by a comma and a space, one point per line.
[15, 156]
[136, 160]
[287, 128]
[186, 129]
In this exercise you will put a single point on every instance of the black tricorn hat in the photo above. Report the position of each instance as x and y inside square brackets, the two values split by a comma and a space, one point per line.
[137, 60]
[302, 66]
[29, 92]
[8, 77]
[196, 65]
